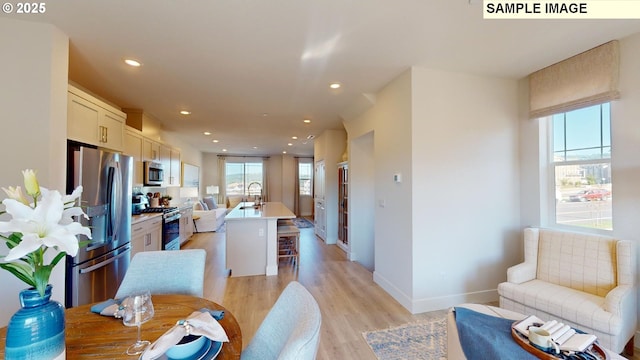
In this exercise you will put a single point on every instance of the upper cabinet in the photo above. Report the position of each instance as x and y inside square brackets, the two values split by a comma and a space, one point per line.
[92, 121]
[150, 150]
[133, 147]
[170, 159]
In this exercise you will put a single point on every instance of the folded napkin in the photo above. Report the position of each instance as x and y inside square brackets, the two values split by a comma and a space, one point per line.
[111, 307]
[217, 314]
[198, 323]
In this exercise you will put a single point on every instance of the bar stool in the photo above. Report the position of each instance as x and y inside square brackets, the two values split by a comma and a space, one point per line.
[289, 243]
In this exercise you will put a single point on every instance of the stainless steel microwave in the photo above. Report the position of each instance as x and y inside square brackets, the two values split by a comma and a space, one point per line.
[153, 173]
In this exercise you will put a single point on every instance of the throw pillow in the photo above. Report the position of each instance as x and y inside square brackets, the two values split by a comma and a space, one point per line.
[203, 205]
[210, 202]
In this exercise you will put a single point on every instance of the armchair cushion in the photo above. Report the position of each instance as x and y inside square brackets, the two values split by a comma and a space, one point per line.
[586, 281]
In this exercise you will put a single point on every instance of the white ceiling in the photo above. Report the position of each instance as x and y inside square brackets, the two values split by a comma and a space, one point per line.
[231, 61]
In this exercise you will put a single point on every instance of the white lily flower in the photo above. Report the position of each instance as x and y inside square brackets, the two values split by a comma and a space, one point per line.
[16, 194]
[46, 225]
[69, 200]
[31, 183]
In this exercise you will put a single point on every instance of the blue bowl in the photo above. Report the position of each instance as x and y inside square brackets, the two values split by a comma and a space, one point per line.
[187, 347]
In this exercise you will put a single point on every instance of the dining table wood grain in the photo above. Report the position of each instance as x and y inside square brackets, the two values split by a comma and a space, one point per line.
[93, 336]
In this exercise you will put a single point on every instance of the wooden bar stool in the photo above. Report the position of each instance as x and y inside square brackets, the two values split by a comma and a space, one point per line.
[289, 243]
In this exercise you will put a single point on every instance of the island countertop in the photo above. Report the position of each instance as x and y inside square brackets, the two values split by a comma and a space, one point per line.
[268, 210]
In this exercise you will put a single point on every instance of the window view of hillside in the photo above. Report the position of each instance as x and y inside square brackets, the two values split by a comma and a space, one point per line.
[243, 178]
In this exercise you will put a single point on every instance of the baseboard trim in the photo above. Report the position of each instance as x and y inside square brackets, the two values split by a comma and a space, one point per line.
[435, 303]
[444, 302]
[390, 288]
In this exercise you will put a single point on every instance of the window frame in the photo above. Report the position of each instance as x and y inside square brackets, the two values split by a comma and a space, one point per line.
[309, 178]
[245, 183]
[551, 165]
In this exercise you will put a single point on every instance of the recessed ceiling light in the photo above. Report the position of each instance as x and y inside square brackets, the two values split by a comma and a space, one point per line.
[265, 114]
[215, 140]
[307, 121]
[255, 147]
[290, 144]
[335, 85]
[294, 137]
[224, 150]
[284, 152]
[132, 62]
[207, 133]
[185, 112]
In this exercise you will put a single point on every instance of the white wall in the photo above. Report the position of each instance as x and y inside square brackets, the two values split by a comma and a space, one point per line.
[209, 171]
[625, 158]
[390, 121]
[33, 99]
[362, 203]
[465, 187]
[440, 238]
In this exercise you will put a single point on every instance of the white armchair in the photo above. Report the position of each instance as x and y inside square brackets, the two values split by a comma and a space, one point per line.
[585, 281]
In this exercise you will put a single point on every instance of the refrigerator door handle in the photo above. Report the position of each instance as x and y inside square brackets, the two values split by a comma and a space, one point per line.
[117, 198]
[105, 263]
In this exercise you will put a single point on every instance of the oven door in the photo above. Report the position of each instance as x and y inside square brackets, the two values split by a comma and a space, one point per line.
[171, 232]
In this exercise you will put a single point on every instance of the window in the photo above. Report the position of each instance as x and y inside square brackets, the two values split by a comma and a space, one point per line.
[305, 170]
[243, 178]
[581, 165]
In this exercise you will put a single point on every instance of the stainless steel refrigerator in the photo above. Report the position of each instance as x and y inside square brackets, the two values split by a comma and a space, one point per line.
[96, 272]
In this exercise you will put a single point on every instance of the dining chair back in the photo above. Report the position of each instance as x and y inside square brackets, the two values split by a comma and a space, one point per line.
[291, 329]
[165, 272]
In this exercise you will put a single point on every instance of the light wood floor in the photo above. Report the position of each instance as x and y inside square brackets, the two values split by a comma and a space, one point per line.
[350, 302]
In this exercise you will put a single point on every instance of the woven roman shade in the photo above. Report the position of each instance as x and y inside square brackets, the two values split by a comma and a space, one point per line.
[585, 79]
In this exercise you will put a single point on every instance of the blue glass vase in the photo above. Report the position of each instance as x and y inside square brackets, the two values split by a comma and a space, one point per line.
[36, 331]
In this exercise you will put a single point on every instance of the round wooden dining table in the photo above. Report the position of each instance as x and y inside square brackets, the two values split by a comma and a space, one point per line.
[94, 336]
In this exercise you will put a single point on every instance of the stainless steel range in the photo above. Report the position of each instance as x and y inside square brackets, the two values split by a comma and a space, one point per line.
[170, 226]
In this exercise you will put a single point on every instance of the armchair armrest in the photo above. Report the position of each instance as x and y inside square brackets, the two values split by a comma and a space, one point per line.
[522, 272]
[621, 300]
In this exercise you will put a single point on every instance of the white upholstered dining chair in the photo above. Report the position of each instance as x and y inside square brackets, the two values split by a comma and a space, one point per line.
[291, 329]
[165, 272]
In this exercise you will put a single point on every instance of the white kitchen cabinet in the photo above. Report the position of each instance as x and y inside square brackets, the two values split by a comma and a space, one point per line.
[146, 235]
[92, 121]
[150, 150]
[186, 224]
[133, 147]
[170, 159]
[175, 168]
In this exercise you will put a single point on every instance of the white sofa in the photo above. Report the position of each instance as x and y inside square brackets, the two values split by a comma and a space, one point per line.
[586, 281]
[207, 215]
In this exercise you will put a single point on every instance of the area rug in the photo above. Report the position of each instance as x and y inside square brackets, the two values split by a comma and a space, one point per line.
[302, 223]
[426, 339]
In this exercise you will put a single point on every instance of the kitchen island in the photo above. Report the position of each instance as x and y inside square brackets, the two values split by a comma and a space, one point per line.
[252, 238]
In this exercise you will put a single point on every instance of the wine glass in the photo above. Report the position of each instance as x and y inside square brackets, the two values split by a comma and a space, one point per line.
[138, 309]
